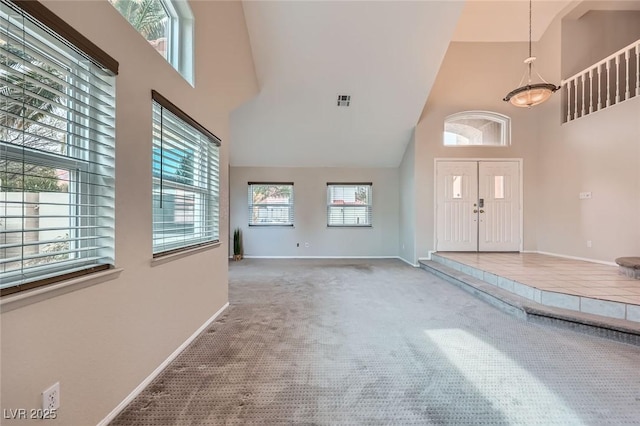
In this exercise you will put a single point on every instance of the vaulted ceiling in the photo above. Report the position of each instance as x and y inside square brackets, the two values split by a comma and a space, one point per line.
[385, 55]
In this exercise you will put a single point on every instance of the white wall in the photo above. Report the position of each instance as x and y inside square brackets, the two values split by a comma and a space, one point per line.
[310, 213]
[101, 341]
[407, 244]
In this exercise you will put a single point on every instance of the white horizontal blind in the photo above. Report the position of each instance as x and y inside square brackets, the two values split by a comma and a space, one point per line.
[186, 186]
[271, 204]
[57, 137]
[349, 204]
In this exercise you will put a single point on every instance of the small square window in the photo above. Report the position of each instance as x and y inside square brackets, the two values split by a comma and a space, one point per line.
[270, 204]
[349, 204]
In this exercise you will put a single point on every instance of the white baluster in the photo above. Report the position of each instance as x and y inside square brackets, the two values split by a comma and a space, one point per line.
[627, 93]
[568, 86]
[583, 112]
[637, 69]
[590, 90]
[575, 86]
[599, 89]
[617, 78]
[608, 84]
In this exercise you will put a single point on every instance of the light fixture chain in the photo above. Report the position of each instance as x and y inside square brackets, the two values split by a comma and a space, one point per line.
[530, 1]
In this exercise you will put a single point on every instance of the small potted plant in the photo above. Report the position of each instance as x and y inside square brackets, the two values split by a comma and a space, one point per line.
[238, 249]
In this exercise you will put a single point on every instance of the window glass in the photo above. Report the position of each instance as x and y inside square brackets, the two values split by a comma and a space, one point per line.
[349, 204]
[477, 128]
[168, 27]
[456, 187]
[150, 18]
[498, 186]
[270, 204]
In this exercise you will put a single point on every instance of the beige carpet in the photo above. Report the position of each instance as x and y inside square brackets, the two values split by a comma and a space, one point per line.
[379, 342]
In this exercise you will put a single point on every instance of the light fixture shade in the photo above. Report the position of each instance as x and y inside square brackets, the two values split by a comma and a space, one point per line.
[531, 94]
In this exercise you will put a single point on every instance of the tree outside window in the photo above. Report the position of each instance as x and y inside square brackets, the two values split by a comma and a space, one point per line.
[150, 18]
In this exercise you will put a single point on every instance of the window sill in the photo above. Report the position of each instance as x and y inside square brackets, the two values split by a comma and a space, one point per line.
[19, 300]
[266, 225]
[349, 226]
[178, 255]
[476, 146]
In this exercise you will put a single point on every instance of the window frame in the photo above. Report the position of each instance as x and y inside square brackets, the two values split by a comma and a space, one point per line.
[212, 192]
[368, 206]
[180, 44]
[495, 117]
[55, 24]
[290, 205]
[61, 42]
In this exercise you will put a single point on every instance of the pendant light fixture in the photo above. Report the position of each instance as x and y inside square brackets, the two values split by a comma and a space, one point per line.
[531, 93]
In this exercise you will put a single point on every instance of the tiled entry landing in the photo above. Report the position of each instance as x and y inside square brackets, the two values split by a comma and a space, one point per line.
[586, 287]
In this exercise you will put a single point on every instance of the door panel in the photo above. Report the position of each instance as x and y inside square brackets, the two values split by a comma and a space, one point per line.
[462, 224]
[499, 219]
[457, 192]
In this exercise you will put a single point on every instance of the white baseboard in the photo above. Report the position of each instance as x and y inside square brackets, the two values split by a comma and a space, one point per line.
[112, 415]
[320, 257]
[585, 259]
[333, 257]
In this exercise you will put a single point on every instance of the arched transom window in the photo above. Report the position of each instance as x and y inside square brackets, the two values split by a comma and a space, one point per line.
[477, 128]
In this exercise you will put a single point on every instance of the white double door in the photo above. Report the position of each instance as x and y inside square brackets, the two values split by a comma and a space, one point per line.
[478, 206]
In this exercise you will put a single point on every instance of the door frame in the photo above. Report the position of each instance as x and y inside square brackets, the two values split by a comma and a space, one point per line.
[436, 160]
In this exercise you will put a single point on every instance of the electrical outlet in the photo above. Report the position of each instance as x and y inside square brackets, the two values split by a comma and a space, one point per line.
[51, 397]
[589, 243]
[585, 195]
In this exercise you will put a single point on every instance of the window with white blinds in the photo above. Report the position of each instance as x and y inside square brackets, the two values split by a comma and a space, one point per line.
[57, 138]
[186, 181]
[270, 203]
[349, 204]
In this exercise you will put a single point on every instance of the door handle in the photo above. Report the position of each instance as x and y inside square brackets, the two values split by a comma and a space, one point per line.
[481, 211]
[475, 211]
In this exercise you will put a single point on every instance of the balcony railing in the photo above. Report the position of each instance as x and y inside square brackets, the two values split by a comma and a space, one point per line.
[614, 79]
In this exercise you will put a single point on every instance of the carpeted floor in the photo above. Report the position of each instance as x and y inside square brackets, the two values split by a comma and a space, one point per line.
[379, 342]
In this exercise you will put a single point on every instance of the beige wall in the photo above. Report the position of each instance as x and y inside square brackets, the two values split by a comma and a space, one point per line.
[407, 225]
[310, 213]
[474, 76]
[594, 36]
[100, 342]
[599, 153]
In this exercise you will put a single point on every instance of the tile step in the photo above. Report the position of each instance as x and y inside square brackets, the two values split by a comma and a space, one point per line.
[622, 330]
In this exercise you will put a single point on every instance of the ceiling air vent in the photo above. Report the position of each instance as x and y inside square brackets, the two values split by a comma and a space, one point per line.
[344, 100]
